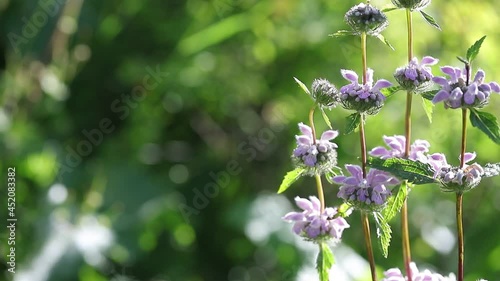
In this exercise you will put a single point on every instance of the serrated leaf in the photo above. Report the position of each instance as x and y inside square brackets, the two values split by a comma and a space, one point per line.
[473, 51]
[430, 20]
[324, 261]
[386, 10]
[353, 122]
[383, 233]
[487, 123]
[342, 33]
[385, 41]
[325, 117]
[429, 95]
[395, 203]
[387, 92]
[290, 178]
[302, 85]
[413, 171]
[428, 108]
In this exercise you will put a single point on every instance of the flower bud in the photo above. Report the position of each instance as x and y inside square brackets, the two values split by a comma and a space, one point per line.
[325, 93]
[364, 18]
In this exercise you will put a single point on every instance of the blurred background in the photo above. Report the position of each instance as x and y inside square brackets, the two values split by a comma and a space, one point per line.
[150, 137]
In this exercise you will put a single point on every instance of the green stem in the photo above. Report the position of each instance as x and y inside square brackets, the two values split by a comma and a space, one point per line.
[460, 233]
[464, 137]
[321, 196]
[311, 123]
[362, 140]
[363, 55]
[404, 210]
[368, 242]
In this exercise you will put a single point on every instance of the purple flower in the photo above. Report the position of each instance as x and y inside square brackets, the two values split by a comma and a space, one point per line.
[370, 192]
[397, 146]
[362, 97]
[416, 76]
[456, 179]
[394, 274]
[315, 155]
[314, 225]
[459, 92]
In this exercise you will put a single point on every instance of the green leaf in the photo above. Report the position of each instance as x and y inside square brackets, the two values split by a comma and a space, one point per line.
[325, 117]
[396, 202]
[383, 233]
[428, 107]
[473, 51]
[462, 60]
[487, 123]
[387, 92]
[404, 169]
[342, 33]
[353, 122]
[344, 210]
[304, 88]
[386, 10]
[324, 261]
[382, 38]
[290, 178]
[429, 95]
[430, 20]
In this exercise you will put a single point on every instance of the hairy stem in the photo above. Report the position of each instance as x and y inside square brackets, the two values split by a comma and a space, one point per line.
[460, 234]
[363, 55]
[464, 137]
[311, 123]
[404, 210]
[321, 197]
[368, 242]
[362, 140]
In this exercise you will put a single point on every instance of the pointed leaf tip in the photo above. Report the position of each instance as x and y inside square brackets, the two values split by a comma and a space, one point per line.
[302, 85]
[289, 179]
[473, 51]
[430, 20]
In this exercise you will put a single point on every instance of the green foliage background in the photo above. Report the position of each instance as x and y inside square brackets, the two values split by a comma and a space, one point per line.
[228, 104]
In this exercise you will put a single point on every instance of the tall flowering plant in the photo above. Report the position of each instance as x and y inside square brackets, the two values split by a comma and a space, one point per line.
[379, 185]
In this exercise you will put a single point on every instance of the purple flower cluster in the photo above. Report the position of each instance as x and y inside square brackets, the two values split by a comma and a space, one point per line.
[314, 225]
[368, 193]
[397, 146]
[362, 97]
[315, 155]
[459, 92]
[394, 274]
[416, 76]
[456, 179]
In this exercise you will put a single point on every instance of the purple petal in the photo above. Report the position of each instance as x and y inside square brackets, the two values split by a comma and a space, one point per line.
[369, 76]
[469, 156]
[380, 151]
[441, 96]
[329, 135]
[349, 75]
[440, 80]
[298, 227]
[294, 216]
[355, 171]
[306, 130]
[451, 71]
[495, 87]
[316, 203]
[479, 78]
[428, 60]
[339, 179]
[382, 83]
[305, 140]
[470, 94]
[304, 204]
